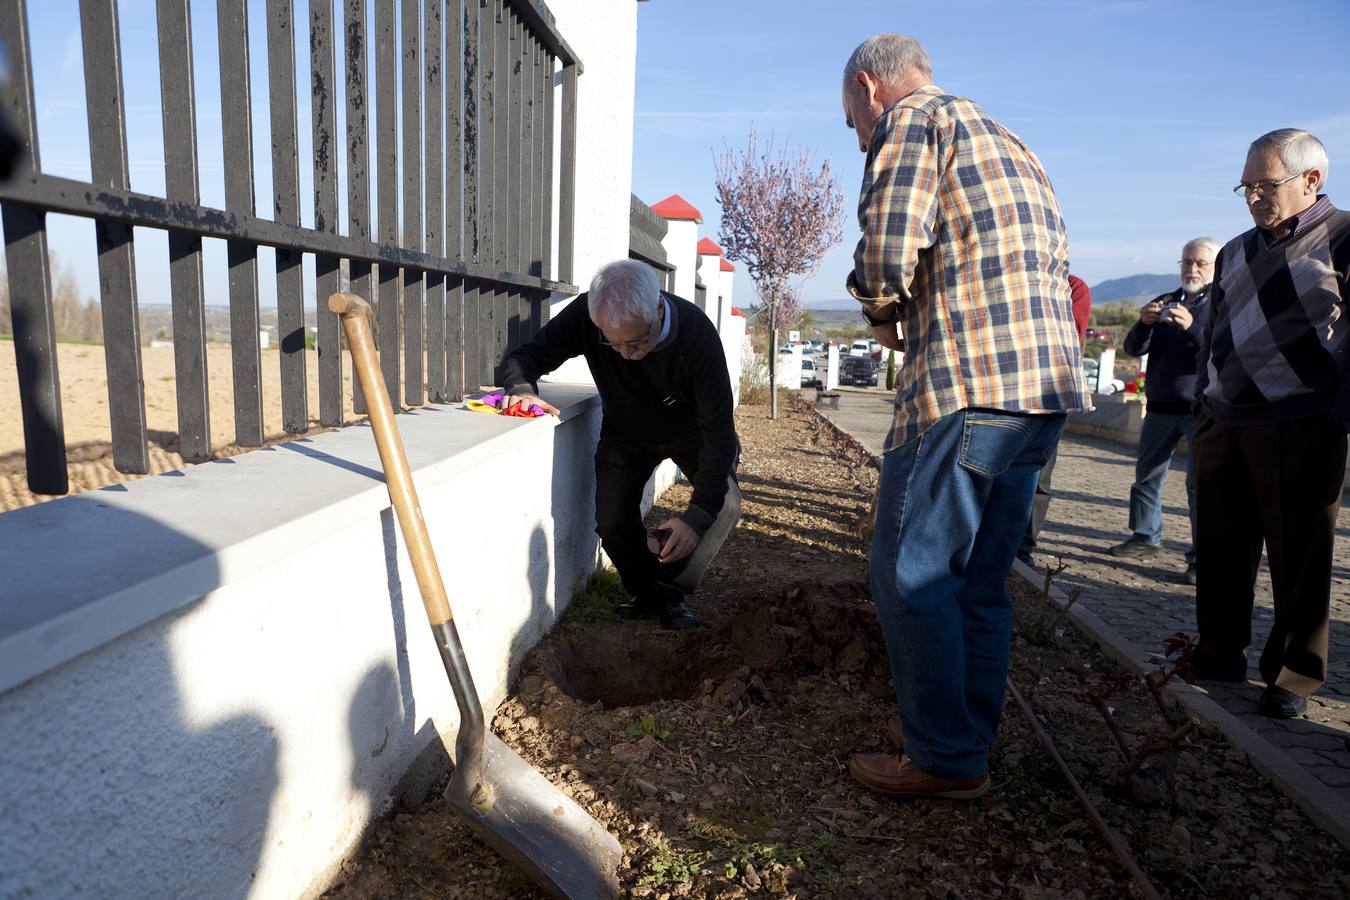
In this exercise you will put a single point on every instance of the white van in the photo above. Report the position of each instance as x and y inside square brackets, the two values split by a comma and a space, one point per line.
[860, 348]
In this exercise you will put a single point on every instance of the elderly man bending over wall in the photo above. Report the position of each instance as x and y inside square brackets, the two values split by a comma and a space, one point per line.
[659, 366]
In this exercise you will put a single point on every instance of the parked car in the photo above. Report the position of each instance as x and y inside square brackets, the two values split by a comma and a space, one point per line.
[1091, 370]
[1096, 334]
[810, 374]
[860, 348]
[857, 370]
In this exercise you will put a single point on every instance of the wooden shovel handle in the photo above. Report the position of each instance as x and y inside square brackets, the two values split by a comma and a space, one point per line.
[355, 314]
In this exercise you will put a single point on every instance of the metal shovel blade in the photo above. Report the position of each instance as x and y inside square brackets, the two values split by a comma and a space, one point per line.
[524, 817]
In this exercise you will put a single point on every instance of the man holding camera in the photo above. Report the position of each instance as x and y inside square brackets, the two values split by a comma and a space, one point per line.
[1168, 331]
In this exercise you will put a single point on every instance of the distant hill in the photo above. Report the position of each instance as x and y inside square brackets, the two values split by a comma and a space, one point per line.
[845, 304]
[1133, 287]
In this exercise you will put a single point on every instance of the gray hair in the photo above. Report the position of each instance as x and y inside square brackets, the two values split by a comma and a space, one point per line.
[623, 291]
[1298, 150]
[890, 57]
[1208, 243]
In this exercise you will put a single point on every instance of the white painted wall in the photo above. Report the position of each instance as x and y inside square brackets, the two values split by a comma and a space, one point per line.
[681, 243]
[712, 279]
[216, 694]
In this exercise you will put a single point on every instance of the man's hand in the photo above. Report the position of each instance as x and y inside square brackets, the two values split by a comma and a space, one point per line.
[681, 542]
[527, 399]
[888, 336]
[1181, 317]
[1149, 312]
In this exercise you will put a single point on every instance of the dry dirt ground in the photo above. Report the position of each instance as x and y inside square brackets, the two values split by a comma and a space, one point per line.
[84, 406]
[719, 757]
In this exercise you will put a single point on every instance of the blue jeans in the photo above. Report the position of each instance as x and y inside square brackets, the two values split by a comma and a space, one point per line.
[1158, 440]
[952, 506]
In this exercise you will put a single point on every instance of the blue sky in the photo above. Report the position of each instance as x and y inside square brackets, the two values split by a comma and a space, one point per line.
[1141, 110]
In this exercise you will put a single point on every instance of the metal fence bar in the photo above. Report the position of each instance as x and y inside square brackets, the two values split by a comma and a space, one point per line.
[451, 347]
[178, 102]
[534, 153]
[473, 209]
[567, 177]
[358, 160]
[413, 313]
[433, 70]
[286, 208]
[54, 194]
[237, 122]
[386, 155]
[515, 168]
[501, 192]
[539, 20]
[546, 198]
[30, 286]
[488, 184]
[323, 115]
[116, 253]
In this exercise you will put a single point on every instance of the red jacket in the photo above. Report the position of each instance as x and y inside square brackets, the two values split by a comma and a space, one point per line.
[1082, 303]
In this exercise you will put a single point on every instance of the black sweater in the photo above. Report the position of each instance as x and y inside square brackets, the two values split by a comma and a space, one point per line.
[677, 396]
[1169, 383]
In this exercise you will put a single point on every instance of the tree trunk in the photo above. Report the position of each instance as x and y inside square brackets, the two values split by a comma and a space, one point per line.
[773, 358]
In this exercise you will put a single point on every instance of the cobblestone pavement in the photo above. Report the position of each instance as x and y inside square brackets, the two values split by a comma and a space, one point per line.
[1146, 601]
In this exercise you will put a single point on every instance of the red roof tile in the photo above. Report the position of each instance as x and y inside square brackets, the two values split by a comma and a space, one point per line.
[707, 247]
[727, 266]
[737, 311]
[676, 207]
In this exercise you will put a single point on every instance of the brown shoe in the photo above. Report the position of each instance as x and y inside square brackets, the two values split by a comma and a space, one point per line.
[898, 776]
[895, 733]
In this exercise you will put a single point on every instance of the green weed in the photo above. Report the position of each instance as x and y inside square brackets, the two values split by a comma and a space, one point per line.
[649, 725]
[599, 600]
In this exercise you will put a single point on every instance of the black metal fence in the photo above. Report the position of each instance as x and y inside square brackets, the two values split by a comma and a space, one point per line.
[465, 275]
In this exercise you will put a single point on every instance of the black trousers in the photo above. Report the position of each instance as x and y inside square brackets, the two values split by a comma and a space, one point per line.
[621, 472]
[1040, 504]
[1278, 484]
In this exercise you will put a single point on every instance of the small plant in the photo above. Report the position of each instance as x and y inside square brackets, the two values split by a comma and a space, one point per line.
[599, 601]
[649, 725]
[1050, 616]
[670, 866]
[733, 854]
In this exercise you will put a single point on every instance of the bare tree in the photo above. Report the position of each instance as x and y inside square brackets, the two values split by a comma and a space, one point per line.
[779, 217]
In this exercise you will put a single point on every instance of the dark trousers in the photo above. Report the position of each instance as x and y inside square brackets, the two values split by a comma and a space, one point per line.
[1280, 484]
[1040, 504]
[621, 472]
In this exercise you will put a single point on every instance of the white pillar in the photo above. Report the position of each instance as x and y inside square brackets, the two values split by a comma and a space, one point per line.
[1106, 371]
[681, 241]
[832, 374]
[711, 273]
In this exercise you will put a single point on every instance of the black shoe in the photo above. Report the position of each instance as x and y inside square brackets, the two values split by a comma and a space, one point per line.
[678, 617]
[639, 608]
[1134, 549]
[1207, 664]
[1189, 577]
[1277, 703]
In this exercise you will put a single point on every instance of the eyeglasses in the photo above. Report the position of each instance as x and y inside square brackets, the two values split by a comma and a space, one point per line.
[640, 342]
[1246, 190]
[1198, 263]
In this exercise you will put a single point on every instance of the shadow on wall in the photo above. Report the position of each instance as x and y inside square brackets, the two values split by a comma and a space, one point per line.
[383, 709]
[107, 785]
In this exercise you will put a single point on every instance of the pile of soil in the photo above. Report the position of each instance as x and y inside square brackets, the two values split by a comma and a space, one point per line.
[719, 757]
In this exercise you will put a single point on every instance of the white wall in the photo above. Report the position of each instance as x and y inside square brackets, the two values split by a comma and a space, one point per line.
[681, 243]
[241, 672]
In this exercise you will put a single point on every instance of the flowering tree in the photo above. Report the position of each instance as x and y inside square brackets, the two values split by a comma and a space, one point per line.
[779, 216]
[781, 315]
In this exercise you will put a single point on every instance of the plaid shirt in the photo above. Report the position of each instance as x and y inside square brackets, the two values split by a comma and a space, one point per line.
[964, 245]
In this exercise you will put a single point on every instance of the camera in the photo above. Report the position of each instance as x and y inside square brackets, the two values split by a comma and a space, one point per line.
[1166, 314]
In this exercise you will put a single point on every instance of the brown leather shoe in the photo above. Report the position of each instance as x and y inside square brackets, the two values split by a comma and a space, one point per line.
[898, 776]
[895, 733]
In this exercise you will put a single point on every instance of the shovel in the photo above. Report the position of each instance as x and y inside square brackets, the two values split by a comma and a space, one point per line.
[509, 805]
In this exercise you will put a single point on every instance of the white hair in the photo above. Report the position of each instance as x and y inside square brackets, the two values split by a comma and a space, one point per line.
[623, 291]
[1208, 243]
[890, 57]
[1298, 150]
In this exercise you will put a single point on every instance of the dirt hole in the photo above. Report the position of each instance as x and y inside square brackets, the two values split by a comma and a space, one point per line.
[626, 667]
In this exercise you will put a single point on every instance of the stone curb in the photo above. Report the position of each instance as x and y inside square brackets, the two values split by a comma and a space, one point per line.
[1324, 806]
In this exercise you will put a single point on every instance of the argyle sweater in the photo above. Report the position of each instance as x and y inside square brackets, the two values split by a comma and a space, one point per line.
[1276, 346]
